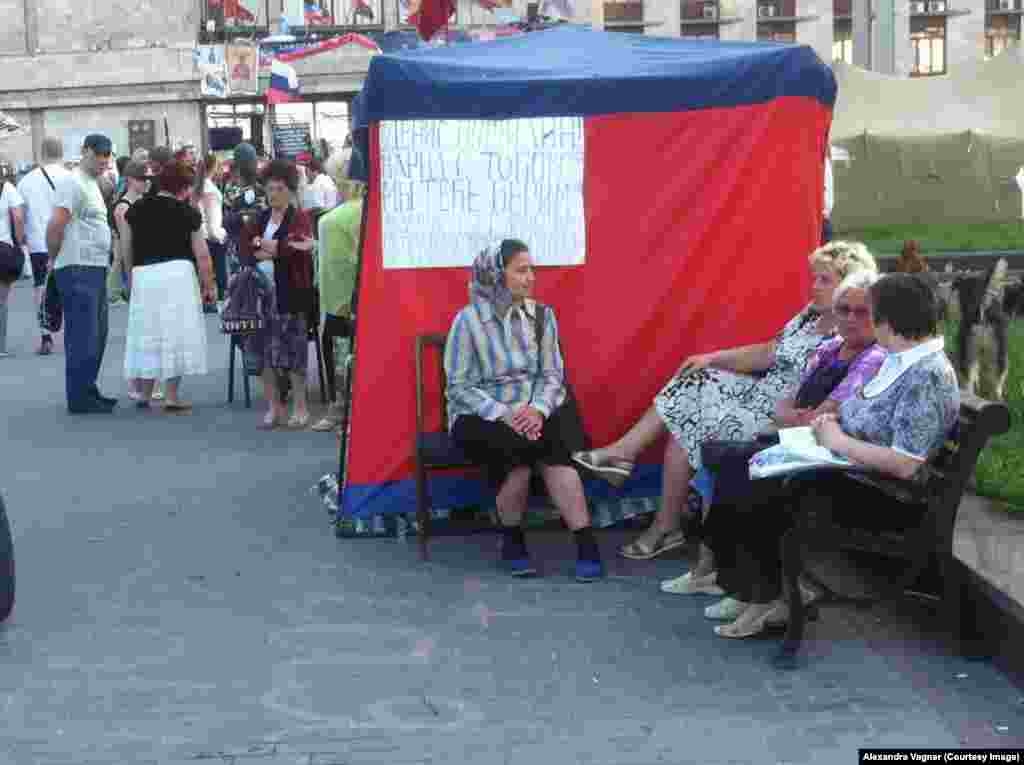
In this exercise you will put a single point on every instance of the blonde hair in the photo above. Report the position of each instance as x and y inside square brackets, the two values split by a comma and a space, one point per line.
[844, 258]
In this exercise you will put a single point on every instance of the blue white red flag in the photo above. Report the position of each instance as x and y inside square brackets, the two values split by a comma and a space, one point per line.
[284, 83]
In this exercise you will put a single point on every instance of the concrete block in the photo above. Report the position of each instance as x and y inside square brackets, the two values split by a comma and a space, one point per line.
[12, 30]
[80, 25]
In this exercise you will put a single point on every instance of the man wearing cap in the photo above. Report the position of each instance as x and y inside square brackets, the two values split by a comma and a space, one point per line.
[78, 242]
[39, 190]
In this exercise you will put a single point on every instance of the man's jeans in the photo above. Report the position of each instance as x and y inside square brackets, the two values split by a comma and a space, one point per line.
[83, 290]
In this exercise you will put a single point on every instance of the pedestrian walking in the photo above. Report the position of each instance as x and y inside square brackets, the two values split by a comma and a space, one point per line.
[39, 190]
[163, 245]
[211, 206]
[78, 241]
[12, 239]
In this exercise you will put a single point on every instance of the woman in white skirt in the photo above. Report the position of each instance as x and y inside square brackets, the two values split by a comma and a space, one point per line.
[165, 245]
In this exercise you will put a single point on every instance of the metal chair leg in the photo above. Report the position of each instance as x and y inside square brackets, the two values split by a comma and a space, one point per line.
[231, 370]
[320, 368]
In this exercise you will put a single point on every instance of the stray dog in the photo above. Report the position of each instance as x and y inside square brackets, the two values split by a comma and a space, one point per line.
[910, 260]
[983, 342]
[1013, 300]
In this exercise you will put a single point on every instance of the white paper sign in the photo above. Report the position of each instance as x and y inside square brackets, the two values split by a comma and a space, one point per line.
[450, 188]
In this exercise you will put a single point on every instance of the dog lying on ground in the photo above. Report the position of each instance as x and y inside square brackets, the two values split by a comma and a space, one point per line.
[983, 341]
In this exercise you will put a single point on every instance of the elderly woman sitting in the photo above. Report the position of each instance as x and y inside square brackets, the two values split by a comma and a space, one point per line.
[506, 392]
[836, 372]
[897, 421]
[725, 394]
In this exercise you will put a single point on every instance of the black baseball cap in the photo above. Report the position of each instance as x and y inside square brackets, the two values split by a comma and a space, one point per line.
[99, 144]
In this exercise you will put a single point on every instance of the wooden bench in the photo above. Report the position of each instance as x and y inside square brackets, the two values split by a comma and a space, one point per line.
[937, 491]
[434, 450]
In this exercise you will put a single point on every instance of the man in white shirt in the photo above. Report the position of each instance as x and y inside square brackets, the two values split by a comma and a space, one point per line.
[321, 191]
[39, 190]
[78, 241]
[829, 202]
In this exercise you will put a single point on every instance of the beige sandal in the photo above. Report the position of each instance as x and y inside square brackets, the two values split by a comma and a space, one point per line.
[648, 546]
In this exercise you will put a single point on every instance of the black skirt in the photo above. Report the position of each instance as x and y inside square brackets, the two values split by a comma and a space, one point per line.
[498, 449]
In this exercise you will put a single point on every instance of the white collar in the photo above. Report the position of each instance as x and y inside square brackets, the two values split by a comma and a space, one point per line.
[896, 364]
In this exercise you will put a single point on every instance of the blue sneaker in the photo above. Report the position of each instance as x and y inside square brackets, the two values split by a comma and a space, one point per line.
[589, 570]
[519, 567]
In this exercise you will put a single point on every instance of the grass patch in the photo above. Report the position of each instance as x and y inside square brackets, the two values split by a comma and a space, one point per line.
[967, 237]
[1000, 472]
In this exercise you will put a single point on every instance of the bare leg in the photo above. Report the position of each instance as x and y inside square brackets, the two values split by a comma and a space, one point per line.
[566, 492]
[144, 387]
[675, 488]
[275, 409]
[5, 292]
[645, 432]
[171, 390]
[299, 393]
[513, 495]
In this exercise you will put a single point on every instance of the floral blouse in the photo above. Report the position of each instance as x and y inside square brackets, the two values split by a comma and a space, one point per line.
[914, 415]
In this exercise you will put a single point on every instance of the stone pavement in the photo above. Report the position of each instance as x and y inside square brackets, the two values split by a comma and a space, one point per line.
[181, 599]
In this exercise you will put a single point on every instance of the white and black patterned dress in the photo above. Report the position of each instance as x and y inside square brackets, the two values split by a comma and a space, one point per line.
[715, 404]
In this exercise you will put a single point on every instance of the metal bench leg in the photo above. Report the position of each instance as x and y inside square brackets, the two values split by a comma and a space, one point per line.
[422, 511]
[231, 370]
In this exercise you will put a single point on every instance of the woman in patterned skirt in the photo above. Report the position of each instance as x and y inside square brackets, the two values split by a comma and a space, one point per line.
[282, 236]
[727, 394]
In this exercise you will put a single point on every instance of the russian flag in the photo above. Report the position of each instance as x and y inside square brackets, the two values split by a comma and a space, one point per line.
[284, 83]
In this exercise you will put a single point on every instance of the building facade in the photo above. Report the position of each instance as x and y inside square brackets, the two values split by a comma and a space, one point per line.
[69, 67]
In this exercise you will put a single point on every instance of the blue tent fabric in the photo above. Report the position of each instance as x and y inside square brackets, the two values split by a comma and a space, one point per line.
[574, 71]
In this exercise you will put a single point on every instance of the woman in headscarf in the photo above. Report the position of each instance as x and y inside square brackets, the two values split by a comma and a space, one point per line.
[506, 402]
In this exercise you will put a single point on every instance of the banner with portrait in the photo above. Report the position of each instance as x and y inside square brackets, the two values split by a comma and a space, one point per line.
[242, 68]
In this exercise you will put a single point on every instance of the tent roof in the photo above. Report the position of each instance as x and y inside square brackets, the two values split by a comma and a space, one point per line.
[575, 71]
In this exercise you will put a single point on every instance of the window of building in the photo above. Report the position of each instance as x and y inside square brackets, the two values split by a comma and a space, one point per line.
[699, 19]
[928, 42]
[784, 32]
[842, 40]
[626, 16]
[1001, 32]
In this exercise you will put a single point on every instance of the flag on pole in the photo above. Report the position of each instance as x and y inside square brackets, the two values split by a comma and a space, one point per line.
[362, 8]
[284, 83]
[9, 126]
[316, 15]
[428, 16]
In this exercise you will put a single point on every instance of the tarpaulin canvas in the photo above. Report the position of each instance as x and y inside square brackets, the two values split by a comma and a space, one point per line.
[703, 177]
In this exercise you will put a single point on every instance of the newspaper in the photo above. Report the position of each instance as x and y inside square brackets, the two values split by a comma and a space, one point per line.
[797, 450]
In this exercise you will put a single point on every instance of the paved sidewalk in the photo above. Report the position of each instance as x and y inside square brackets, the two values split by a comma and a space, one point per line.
[181, 599]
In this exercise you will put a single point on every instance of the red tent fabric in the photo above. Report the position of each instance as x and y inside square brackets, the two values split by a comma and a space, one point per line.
[698, 223]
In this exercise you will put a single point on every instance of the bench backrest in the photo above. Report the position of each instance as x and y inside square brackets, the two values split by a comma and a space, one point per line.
[953, 467]
[425, 343]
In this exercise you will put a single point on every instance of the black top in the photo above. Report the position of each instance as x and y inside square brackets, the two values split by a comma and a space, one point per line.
[162, 229]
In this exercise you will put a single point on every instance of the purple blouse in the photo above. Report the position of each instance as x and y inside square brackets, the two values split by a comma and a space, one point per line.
[862, 368]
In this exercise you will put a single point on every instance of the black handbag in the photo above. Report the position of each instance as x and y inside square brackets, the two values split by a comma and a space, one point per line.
[12, 263]
[51, 307]
[573, 433]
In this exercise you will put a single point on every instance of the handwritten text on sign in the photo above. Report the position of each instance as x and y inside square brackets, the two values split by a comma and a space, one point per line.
[450, 188]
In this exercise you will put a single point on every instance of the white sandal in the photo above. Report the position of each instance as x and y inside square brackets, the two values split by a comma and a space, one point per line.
[687, 584]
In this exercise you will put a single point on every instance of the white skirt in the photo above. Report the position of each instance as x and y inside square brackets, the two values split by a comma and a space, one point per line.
[166, 330]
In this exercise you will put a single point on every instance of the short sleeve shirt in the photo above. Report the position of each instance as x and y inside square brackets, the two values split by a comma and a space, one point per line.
[87, 236]
[914, 415]
[8, 198]
[162, 229]
[39, 197]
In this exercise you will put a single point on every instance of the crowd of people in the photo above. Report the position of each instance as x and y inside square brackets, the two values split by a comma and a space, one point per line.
[164, 232]
[862, 364]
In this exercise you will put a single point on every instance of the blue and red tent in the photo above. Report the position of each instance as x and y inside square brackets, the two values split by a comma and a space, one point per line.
[703, 177]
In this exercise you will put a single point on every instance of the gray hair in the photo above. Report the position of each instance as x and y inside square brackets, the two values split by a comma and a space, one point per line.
[52, 149]
[858, 280]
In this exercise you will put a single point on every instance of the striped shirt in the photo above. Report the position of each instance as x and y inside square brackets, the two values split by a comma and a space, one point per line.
[492, 365]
